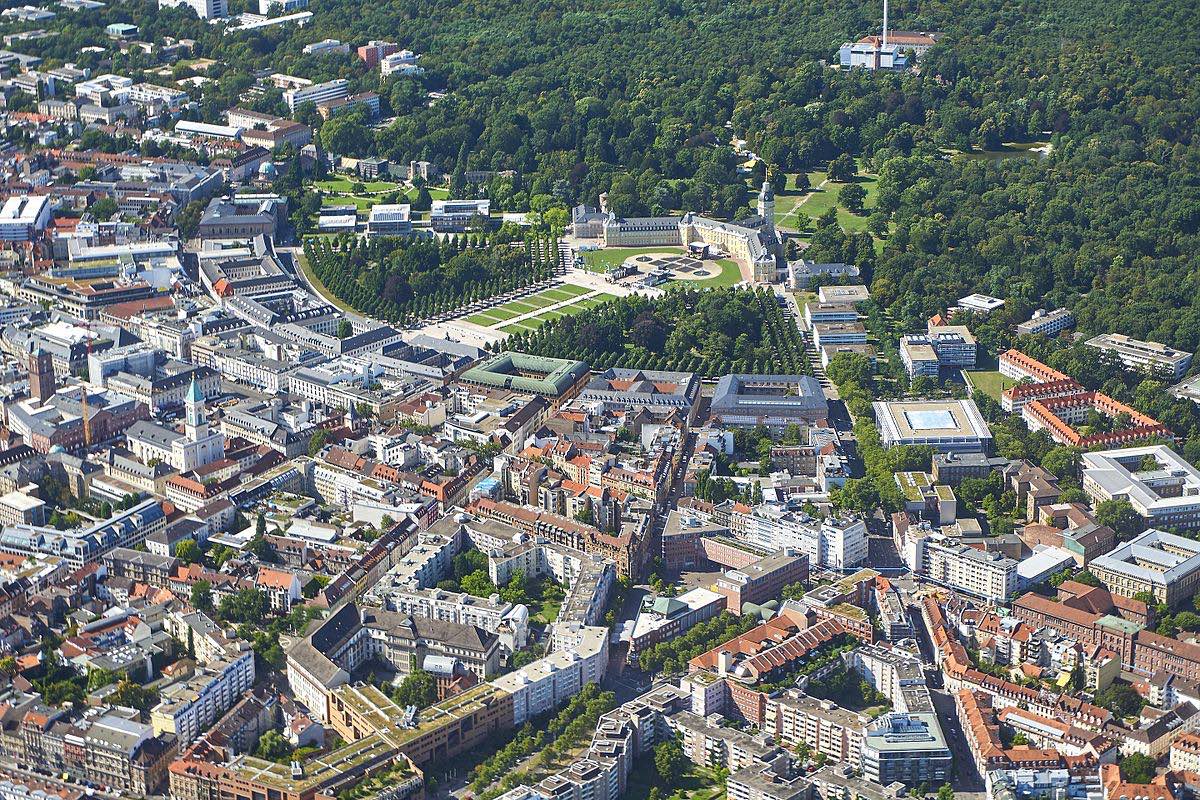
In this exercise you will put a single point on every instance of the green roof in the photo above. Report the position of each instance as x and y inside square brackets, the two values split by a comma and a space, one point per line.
[383, 744]
[1118, 624]
[527, 373]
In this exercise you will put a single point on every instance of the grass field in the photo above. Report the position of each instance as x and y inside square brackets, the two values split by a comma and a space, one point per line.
[788, 200]
[821, 200]
[565, 292]
[609, 257]
[360, 202]
[991, 383]
[822, 196]
[495, 317]
[346, 186]
[487, 318]
[730, 274]
[698, 783]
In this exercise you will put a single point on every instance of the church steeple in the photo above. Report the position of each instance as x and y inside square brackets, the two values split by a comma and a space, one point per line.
[195, 424]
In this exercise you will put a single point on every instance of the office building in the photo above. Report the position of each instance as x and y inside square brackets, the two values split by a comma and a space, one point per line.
[776, 401]
[24, 218]
[906, 748]
[316, 94]
[826, 334]
[987, 575]
[1150, 357]
[945, 347]
[663, 618]
[1047, 323]
[1160, 485]
[763, 580]
[836, 543]
[948, 426]
[389, 219]
[455, 216]
[1155, 562]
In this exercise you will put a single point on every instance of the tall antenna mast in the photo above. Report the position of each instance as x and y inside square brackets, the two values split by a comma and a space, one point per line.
[885, 24]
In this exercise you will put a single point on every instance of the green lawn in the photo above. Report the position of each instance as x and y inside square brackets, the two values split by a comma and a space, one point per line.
[346, 185]
[486, 319]
[729, 275]
[698, 783]
[991, 383]
[359, 201]
[824, 199]
[787, 200]
[547, 613]
[609, 257]
[566, 291]
[819, 199]
[540, 300]
[494, 317]
[594, 300]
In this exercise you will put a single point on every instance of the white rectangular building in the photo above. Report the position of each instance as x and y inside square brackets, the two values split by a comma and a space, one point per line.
[23, 218]
[834, 543]
[457, 215]
[316, 94]
[1151, 357]
[1160, 485]
[205, 9]
[987, 575]
[390, 220]
[948, 426]
[1047, 323]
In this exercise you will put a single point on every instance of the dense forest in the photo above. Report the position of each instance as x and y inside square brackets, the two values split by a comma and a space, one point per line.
[406, 280]
[642, 100]
[710, 332]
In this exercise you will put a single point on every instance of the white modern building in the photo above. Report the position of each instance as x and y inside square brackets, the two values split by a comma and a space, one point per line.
[268, 7]
[151, 94]
[403, 62]
[205, 9]
[1150, 357]
[980, 303]
[942, 347]
[908, 748]
[833, 543]
[549, 682]
[390, 219]
[1160, 485]
[457, 215]
[1047, 323]
[987, 575]
[316, 94]
[948, 426]
[22, 219]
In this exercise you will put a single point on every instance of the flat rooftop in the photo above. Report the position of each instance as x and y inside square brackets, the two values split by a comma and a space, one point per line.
[924, 419]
